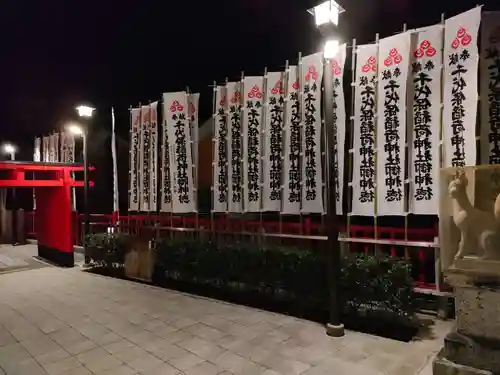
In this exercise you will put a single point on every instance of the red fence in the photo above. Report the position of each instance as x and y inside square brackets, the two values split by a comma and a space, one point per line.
[415, 244]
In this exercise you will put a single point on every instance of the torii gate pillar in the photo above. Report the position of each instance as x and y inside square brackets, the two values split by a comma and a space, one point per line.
[52, 183]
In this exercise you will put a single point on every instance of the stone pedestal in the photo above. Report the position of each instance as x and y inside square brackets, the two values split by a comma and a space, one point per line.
[474, 345]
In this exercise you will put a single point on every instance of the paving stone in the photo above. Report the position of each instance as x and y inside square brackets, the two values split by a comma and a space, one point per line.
[46, 320]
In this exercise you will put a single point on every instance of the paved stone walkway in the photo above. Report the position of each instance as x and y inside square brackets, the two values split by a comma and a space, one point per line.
[13, 258]
[68, 322]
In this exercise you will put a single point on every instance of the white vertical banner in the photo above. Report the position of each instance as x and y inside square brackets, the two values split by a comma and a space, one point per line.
[393, 62]
[64, 148]
[339, 121]
[145, 165]
[460, 88]
[363, 180]
[193, 101]
[135, 125]
[490, 88]
[51, 148]
[273, 142]
[236, 153]
[426, 120]
[45, 149]
[166, 184]
[37, 151]
[312, 171]
[56, 148]
[252, 142]
[221, 154]
[180, 152]
[292, 191]
[70, 148]
[153, 159]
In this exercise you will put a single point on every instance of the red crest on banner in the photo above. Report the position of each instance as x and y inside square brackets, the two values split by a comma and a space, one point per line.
[311, 73]
[176, 106]
[336, 70]
[371, 64]
[137, 121]
[295, 86]
[393, 58]
[278, 88]
[425, 49]
[223, 100]
[192, 108]
[462, 38]
[255, 93]
[153, 115]
[236, 97]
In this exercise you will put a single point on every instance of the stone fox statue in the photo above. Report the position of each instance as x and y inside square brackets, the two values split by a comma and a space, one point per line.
[480, 230]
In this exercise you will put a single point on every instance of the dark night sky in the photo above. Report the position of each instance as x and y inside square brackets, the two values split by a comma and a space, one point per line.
[57, 53]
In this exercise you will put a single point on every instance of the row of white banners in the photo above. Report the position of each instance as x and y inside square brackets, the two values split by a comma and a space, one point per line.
[178, 157]
[268, 130]
[54, 148]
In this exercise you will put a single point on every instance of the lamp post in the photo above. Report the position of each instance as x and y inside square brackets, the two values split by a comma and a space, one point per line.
[326, 15]
[10, 149]
[81, 131]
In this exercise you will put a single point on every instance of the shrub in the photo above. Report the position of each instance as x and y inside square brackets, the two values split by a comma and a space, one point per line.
[107, 249]
[379, 287]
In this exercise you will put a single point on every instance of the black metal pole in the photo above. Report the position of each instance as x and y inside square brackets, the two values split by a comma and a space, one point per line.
[334, 326]
[86, 220]
[13, 209]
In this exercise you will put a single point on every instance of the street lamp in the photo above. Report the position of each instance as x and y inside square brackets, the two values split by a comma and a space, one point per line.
[78, 130]
[85, 111]
[326, 15]
[10, 149]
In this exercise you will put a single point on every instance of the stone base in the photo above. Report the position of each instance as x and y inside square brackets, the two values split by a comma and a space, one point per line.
[474, 265]
[443, 366]
[335, 331]
[473, 352]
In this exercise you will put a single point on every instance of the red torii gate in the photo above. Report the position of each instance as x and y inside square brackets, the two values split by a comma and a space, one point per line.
[52, 183]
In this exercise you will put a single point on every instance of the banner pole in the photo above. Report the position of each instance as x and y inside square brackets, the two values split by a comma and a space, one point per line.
[375, 220]
[350, 154]
[286, 77]
[300, 116]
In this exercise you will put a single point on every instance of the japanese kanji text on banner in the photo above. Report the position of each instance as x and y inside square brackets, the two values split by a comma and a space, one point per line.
[273, 142]
[252, 122]
[234, 100]
[291, 162]
[490, 88]
[221, 154]
[145, 158]
[179, 136]
[339, 120]
[460, 88]
[425, 121]
[393, 62]
[363, 183]
[135, 124]
[312, 171]
[153, 159]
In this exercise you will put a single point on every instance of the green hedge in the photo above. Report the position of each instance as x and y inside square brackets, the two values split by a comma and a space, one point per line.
[373, 287]
[107, 249]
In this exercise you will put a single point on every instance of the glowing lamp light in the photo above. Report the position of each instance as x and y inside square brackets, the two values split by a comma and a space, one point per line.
[331, 48]
[75, 129]
[326, 12]
[85, 111]
[9, 148]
